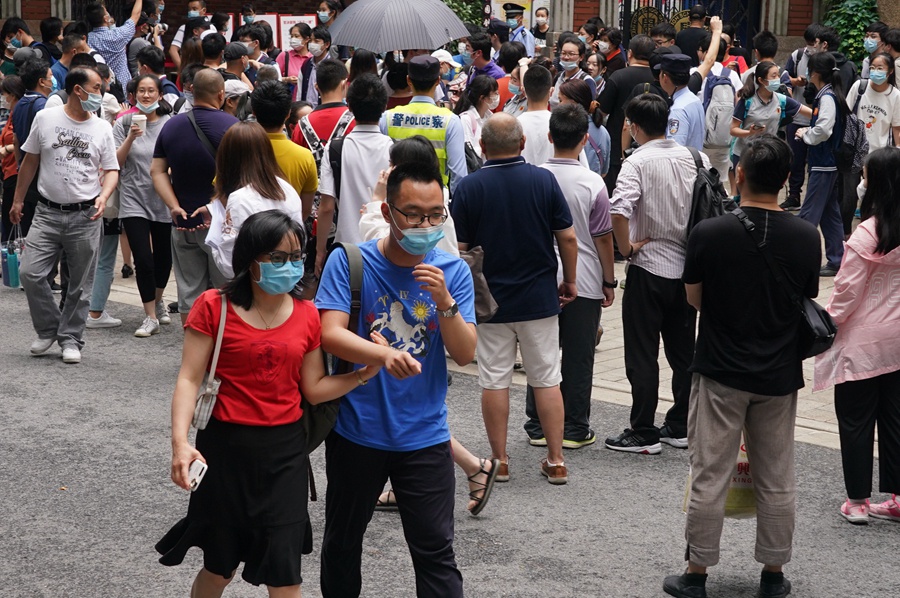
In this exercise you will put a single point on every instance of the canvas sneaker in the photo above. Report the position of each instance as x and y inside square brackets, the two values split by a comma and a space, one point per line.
[71, 355]
[148, 328]
[630, 441]
[162, 313]
[555, 474]
[588, 440]
[42, 345]
[889, 509]
[537, 441]
[666, 435]
[104, 321]
[857, 514]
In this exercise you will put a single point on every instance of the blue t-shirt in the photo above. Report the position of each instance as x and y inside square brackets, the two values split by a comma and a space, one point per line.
[511, 210]
[387, 413]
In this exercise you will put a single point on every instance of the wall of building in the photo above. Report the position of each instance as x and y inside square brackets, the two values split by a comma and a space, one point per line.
[890, 12]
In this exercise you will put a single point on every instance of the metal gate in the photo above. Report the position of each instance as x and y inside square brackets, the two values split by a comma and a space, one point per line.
[640, 16]
[119, 9]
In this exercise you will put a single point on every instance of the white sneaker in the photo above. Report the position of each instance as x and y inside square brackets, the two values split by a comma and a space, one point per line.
[148, 328]
[42, 345]
[71, 355]
[162, 312]
[104, 321]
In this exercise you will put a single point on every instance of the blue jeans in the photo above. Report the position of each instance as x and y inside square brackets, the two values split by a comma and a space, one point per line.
[106, 265]
[822, 208]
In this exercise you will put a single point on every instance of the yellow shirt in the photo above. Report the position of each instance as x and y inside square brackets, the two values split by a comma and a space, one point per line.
[296, 162]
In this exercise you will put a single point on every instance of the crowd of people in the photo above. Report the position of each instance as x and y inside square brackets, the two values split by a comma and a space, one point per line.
[321, 204]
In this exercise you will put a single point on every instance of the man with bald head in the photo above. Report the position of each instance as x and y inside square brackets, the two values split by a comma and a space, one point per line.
[191, 156]
[515, 226]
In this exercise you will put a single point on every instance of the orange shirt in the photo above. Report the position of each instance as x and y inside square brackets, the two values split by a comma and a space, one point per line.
[505, 94]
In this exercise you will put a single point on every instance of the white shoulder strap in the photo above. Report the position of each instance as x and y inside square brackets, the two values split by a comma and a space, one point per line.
[221, 332]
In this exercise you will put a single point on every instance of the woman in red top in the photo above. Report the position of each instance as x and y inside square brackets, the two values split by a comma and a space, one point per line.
[12, 90]
[296, 57]
[251, 505]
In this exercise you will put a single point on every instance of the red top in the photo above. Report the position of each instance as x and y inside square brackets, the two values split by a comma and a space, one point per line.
[742, 64]
[7, 137]
[259, 369]
[505, 94]
[323, 120]
[395, 102]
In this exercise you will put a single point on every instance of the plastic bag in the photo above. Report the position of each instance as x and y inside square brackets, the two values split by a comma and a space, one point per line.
[740, 502]
[11, 256]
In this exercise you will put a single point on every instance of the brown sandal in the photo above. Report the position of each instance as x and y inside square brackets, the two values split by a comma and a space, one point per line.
[486, 486]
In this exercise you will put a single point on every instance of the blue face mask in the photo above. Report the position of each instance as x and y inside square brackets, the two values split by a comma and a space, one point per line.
[193, 14]
[15, 43]
[583, 38]
[870, 44]
[773, 85]
[878, 77]
[448, 76]
[466, 58]
[93, 103]
[568, 65]
[148, 109]
[160, 9]
[419, 241]
[514, 89]
[55, 83]
[276, 280]
[512, 23]
[324, 16]
[248, 19]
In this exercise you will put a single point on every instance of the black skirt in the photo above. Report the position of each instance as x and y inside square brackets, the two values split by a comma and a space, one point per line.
[251, 506]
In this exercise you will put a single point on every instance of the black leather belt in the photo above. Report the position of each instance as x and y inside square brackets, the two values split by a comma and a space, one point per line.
[69, 207]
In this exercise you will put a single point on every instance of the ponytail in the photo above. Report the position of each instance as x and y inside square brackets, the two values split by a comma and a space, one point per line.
[825, 66]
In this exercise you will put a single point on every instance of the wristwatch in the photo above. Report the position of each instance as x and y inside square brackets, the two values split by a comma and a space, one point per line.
[450, 313]
[610, 285]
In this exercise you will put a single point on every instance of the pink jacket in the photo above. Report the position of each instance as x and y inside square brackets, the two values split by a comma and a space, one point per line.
[866, 307]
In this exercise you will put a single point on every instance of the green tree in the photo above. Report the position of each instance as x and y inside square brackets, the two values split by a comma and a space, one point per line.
[468, 11]
[850, 18]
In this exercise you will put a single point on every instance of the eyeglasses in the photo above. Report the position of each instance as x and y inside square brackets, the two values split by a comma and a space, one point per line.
[417, 219]
[569, 54]
[280, 258]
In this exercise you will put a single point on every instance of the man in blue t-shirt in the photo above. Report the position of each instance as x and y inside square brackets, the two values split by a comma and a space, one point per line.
[514, 211]
[421, 300]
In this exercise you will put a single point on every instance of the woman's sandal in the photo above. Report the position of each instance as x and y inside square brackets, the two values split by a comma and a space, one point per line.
[486, 487]
[387, 501]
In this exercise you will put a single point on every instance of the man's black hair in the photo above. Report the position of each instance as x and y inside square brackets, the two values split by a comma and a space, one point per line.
[32, 72]
[537, 82]
[811, 33]
[481, 41]
[766, 44]
[12, 25]
[95, 15]
[650, 112]
[510, 54]
[410, 172]
[568, 126]
[330, 74]
[271, 103]
[766, 163]
[213, 45]
[83, 59]
[367, 98]
[879, 27]
[705, 43]
[642, 47]
[322, 33]
[51, 28]
[664, 29]
[153, 58]
[79, 76]
[831, 37]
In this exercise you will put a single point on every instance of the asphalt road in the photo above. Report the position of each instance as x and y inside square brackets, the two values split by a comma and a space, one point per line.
[85, 493]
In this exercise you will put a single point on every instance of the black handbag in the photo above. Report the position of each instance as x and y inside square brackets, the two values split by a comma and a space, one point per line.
[817, 328]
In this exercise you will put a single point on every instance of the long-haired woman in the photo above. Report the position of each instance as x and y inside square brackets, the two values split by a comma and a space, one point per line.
[864, 364]
[577, 91]
[248, 180]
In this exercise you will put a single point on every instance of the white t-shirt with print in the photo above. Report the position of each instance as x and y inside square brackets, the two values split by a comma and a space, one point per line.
[72, 155]
[879, 111]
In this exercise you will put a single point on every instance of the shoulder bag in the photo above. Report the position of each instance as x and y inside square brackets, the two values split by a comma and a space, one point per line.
[817, 328]
[206, 397]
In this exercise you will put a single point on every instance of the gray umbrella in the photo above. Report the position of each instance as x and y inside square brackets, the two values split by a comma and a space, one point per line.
[386, 25]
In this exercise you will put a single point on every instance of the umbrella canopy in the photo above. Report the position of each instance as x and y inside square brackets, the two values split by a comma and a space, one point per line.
[385, 25]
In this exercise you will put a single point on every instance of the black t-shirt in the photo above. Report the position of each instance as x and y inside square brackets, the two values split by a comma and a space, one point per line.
[748, 326]
[689, 41]
[538, 34]
[612, 102]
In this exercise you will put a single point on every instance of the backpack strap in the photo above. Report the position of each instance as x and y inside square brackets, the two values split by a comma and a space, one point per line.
[312, 139]
[335, 150]
[203, 138]
[698, 161]
[341, 125]
[863, 85]
[355, 263]
[178, 104]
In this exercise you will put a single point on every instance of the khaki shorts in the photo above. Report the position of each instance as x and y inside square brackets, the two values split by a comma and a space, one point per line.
[538, 341]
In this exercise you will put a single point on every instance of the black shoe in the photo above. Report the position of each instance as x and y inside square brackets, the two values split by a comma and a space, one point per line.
[54, 286]
[630, 441]
[667, 435]
[791, 203]
[686, 585]
[774, 585]
[173, 307]
[827, 271]
[127, 271]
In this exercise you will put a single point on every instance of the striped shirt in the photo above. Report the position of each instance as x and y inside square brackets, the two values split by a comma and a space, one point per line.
[654, 192]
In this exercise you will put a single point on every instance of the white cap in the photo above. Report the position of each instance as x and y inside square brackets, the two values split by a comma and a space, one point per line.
[235, 88]
[444, 56]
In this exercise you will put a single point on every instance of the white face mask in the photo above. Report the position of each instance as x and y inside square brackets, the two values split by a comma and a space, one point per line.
[295, 42]
[603, 47]
[541, 21]
[493, 102]
[861, 189]
[315, 48]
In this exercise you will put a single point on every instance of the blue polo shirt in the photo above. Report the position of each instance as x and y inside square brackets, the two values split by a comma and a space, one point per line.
[511, 209]
[22, 117]
[687, 120]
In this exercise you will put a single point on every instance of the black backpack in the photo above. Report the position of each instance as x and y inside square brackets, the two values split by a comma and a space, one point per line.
[854, 145]
[708, 199]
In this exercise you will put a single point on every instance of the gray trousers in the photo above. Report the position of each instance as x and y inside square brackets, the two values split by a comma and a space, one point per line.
[53, 232]
[195, 269]
[717, 415]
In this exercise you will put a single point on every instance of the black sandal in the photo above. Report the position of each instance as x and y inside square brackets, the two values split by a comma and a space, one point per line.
[390, 504]
[486, 487]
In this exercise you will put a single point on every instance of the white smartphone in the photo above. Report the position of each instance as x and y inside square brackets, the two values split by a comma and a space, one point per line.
[196, 473]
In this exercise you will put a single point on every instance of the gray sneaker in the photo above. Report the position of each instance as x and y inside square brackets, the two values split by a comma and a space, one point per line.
[104, 321]
[162, 312]
[148, 328]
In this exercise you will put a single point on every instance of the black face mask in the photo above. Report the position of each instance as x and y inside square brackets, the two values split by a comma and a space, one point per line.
[809, 93]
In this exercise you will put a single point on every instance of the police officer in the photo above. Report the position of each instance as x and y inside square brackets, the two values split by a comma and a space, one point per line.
[517, 30]
[687, 120]
[423, 117]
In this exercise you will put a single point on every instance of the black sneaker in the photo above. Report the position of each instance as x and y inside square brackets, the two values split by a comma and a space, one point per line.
[686, 585]
[827, 271]
[791, 203]
[630, 441]
[173, 307]
[54, 286]
[127, 271]
[677, 440]
[779, 589]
